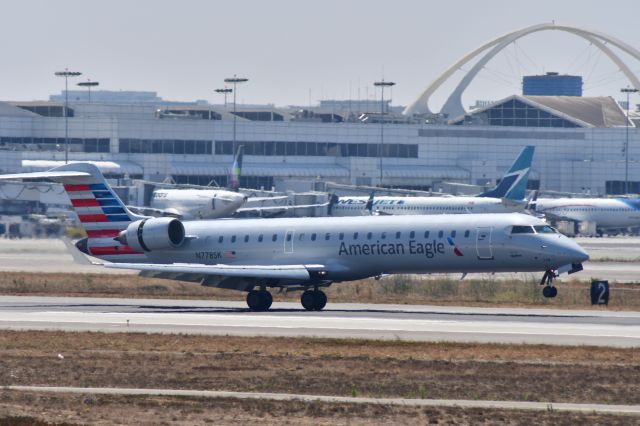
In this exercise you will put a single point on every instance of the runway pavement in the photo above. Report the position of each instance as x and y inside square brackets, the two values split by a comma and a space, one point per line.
[405, 322]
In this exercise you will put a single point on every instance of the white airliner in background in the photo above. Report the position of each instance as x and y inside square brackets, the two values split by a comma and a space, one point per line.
[189, 204]
[606, 213]
[307, 254]
[507, 196]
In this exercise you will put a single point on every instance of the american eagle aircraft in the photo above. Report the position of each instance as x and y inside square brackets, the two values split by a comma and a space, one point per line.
[255, 255]
[507, 196]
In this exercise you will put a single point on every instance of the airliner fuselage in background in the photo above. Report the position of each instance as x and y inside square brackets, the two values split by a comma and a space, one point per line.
[508, 196]
[189, 204]
[254, 255]
[606, 213]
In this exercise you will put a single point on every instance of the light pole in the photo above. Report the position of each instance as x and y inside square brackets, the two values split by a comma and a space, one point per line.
[235, 80]
[628, 91]
[225, 92]
[382, 84]
[89, 84]
[66, 74]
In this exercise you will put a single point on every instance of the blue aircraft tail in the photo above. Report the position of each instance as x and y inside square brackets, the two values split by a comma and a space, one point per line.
[514, 184]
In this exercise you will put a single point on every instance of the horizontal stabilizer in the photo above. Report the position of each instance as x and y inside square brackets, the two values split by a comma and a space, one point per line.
[293, 272]
[62, 174]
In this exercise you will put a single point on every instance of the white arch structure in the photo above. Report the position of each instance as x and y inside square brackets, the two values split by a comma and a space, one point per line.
[453, 106]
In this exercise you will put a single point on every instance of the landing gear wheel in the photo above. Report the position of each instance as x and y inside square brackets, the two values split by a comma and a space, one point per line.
[313, 300]
[259, 300]
[550, 292]
[267, 299]
[321, 300]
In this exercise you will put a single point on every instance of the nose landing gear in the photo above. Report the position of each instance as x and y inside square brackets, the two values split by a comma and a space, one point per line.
[547, 280]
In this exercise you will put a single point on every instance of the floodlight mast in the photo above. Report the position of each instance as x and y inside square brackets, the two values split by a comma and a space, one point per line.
[235, 80]
[382, 84]
[628, 91]
[225, 92]
[66, 74]
[89, 84]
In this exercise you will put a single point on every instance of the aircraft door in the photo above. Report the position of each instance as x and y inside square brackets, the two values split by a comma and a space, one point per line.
[288, 241]
[483, 243]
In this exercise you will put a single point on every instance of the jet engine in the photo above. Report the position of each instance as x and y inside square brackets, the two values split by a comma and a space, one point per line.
[153, 234]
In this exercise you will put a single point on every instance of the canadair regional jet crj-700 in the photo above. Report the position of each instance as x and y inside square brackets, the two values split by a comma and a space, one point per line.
[254, 255]
[508, 196]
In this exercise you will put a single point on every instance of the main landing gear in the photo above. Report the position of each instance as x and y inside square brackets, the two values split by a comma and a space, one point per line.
[547, 280]
[259, 300]
[313, 300]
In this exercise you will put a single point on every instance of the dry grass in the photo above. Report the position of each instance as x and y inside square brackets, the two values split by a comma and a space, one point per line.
[400, 289]
[34, 409]
[323, 367]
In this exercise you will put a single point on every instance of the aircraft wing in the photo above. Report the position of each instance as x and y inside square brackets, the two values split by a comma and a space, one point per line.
[293, 272]
[150, 211]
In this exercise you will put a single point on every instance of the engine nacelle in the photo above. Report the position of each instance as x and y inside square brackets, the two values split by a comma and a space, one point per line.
[153, 234]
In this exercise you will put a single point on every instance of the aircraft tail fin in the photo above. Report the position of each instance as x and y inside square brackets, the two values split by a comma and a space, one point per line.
[100, 211]
[514, 183]
[236, 169]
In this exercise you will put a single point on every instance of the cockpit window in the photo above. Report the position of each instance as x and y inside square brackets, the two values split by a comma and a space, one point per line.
[522, 229]
[545, 229]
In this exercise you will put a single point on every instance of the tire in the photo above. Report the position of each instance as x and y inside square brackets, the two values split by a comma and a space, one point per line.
[554, 292]
[267, 300]
[254, 300]
[308, 300]
[548, 291]
[321, 300]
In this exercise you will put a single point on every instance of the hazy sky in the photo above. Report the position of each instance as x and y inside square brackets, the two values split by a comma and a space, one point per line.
[294, 51]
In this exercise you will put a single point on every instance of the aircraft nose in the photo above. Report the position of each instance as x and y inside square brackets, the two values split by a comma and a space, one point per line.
[576, 253]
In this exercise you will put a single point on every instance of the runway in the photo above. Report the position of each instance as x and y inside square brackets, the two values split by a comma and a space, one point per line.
[403, 322]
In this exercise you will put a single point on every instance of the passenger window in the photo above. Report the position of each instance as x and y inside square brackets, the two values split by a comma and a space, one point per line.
[426, 234]
[383, 235]
[275, 237]
[522, 229]
[233, 239]
[398, 234]
[412, 234]
[341, 236]
[260, 238]
[544, 229]
[369, 235]
[313, 236]
[466, 233]
[220, 239]
[289, 237]
[246, 238]
[355, 235]
[440, 234]
[453, 234]
[327, 236]
[301, 237]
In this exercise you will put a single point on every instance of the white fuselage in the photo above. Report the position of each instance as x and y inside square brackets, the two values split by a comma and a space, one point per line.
[605, 212]
[354, 248]
[356, 206]
[197, 203]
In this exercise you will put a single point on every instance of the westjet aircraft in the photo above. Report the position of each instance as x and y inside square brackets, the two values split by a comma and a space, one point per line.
[507, 197]
[254, 255]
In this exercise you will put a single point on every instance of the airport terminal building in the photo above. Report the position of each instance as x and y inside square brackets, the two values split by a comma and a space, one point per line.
[580, 142]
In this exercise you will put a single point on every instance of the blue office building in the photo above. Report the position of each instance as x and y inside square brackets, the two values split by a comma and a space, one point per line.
[552, 84]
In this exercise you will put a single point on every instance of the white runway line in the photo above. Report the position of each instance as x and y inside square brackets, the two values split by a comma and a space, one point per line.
[462, 403]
